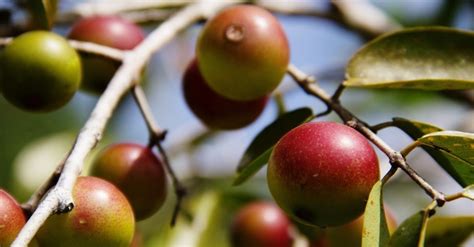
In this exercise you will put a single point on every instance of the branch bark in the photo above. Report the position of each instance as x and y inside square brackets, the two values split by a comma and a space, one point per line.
[59, 198]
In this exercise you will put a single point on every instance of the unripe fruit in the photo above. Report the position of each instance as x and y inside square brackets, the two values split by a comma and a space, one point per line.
[137, 172]
[261, 224]
[214, 110]
[12, 218]
[321, 173]
[243, 52]
[112, 31]
[40, 71]
[101, 217]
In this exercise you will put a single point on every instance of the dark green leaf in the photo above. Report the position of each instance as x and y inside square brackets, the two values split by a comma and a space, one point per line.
[408, 234]
[253, 167]
[43, 13]
[456, 153]
[375, 230]
[448, 231]
[430, 58]
[272, 133]
[459, 169]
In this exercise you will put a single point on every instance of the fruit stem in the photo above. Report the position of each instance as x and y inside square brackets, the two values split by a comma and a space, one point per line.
[307, 83]
[157, 136]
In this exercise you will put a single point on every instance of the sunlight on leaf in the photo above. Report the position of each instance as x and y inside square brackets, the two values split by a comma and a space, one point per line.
[429, 58]
[468, 192]
[375, 230]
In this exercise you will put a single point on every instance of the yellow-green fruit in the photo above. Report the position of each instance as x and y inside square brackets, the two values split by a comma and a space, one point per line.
[40, 71]
[243, 53]
[102, 217]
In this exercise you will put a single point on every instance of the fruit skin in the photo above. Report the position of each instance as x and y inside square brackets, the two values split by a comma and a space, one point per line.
[137, 172]
[261, 224]
[12, 218]
[321, 173]
[214, 110]
[101, 217]
[243, 52]
[352, 232]
[40, 71]
[112, 31]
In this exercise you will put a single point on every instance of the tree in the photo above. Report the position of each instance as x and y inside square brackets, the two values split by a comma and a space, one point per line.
[420, 58]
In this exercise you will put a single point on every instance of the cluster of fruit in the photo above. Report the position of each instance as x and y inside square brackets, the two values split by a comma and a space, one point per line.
[41, 72]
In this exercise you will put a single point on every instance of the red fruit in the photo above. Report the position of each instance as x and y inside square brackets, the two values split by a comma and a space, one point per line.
[112, 31]
[214, 110]
[101, 217]
[261, 224]
[137, 172]
[243, 52]
[321, 173]
[12, 218]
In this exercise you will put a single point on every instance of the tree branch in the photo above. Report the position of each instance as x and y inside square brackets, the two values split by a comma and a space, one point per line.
[59, 198]
[307, 83]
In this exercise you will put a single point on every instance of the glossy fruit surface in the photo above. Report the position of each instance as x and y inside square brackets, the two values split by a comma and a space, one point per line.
[136, 171]
[261, 224]
[212, 109]
[112, 31]
[101, 217]
[243, 52]
[321, 173]
[40, 71]
[12, 218]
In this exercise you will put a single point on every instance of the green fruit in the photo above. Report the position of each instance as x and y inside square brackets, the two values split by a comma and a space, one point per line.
[113, 31]
[261, 224]
[102, 217]
[40, 71]
[136, 171]
[321, 173]
[12, 218]
[243, 52]
[215, 111]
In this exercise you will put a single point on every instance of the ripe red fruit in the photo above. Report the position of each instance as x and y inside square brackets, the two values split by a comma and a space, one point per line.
[101, 217]
[41, 72]
[243, 52]
[321, 173]
[137, 172]
[12, 218]
[112, 31]
[214, 110]
[261, 224]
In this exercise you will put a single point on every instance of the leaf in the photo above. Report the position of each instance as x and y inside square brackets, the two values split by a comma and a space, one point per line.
[460, 170]
[458, 148]
[253, 167]
[448, 231]
[43, 13]
[272, 133]
[408, 234]
[468, 192]
[429, 58]
[375, 230]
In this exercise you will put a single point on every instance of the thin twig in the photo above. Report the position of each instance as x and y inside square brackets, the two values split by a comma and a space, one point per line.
[59, 198]
[157, 135]
[396, 159]
[389, 174]
[380, 126]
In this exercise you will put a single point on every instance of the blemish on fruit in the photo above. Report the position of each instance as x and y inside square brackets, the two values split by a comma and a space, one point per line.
[234, 33]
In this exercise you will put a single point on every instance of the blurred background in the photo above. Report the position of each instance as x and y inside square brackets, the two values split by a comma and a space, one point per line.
[31, 145]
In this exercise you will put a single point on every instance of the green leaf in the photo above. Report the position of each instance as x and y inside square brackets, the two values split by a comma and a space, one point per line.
[253, 167]
[409, 233]
[429, 58]
[459, 169]
[448, 231]
[468, 192]
[272, 133]
[375, 230]
[458, 148]
[43, 13]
